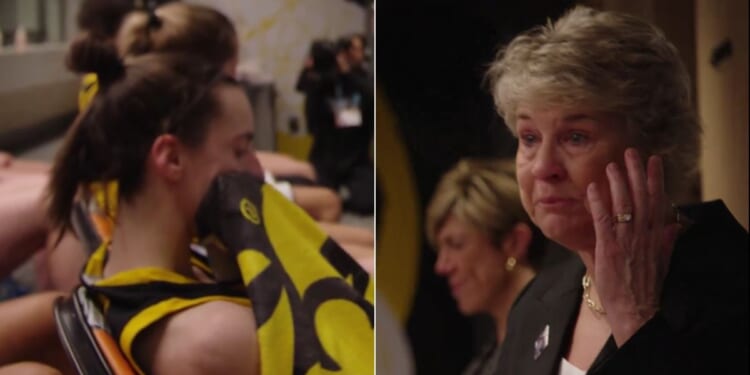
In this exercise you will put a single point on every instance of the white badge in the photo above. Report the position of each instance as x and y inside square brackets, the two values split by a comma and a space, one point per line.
[346, 110]
[541, 342]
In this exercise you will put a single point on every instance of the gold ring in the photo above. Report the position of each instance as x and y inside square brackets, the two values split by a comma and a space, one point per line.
[623, 218]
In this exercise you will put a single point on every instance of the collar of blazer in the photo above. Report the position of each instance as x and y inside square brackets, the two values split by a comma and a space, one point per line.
[543, 318]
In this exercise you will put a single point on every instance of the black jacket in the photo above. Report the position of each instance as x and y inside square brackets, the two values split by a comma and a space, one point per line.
[702, 327]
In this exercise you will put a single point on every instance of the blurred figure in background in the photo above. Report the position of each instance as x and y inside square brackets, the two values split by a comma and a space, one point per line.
[339, 112]
[488, 249]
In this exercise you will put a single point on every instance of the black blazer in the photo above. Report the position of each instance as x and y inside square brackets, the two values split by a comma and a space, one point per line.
[702, 327]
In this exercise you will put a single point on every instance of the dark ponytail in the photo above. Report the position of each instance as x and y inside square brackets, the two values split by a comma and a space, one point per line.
[91, 55]
[154, 94]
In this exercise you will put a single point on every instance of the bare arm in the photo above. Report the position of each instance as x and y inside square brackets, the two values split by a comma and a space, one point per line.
[213, 338]
[23, 217]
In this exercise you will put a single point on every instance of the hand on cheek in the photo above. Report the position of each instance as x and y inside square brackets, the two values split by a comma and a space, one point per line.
[633, 242]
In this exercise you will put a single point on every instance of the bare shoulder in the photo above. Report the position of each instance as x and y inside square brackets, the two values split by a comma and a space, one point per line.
[213, 338]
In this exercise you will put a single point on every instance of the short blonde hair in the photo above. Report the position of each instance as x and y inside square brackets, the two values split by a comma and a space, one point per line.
[609, 62]
[481, 193]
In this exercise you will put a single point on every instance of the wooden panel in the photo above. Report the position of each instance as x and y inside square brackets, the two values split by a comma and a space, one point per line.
[723, 102]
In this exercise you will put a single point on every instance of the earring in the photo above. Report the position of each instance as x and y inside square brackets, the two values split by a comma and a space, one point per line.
[510, 264]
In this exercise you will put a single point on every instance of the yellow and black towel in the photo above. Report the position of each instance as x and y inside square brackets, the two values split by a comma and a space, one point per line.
[312, 302]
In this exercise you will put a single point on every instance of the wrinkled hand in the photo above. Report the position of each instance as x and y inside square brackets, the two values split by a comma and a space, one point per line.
[631, 258]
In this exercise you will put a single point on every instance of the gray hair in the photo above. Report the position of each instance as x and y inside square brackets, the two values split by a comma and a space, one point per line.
[609, 62]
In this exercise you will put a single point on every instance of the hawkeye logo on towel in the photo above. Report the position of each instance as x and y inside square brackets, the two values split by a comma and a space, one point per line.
[312, 302]
[249, 211]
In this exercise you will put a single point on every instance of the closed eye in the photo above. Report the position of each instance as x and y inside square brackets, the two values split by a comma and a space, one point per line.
[239, 153]
[243, 145]
[453, 244]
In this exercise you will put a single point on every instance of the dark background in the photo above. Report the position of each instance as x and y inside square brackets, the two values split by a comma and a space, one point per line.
[431, 57]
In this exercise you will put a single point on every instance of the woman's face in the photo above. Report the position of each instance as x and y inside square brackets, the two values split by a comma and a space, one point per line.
[473, 266]
[227, 146]
[561, 151]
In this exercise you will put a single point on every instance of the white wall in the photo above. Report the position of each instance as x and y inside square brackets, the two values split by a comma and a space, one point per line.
[35, 85]
[276, 34]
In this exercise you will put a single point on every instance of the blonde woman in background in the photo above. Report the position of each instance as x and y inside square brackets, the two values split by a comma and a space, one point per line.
[487, 248]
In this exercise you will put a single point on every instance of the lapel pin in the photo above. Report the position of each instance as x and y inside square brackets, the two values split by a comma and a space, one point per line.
[541, 342]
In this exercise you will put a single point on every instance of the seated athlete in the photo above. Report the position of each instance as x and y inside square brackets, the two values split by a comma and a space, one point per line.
[163, 126]
[178, 27]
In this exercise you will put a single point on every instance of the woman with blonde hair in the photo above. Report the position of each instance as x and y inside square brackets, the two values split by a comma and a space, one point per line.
[487, 248]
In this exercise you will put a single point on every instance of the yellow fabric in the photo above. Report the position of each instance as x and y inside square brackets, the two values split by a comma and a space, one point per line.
[281, 217]
[94, 270]
[159, 311]
[296, 240]
[342, 326]
[251, 263]
[103, 193]
[144, 275]
[276, 340]
[87, 91]
[352, 355]
[95, 263]
[148, 316]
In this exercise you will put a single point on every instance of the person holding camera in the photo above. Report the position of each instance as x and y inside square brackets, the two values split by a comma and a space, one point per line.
[339, 113]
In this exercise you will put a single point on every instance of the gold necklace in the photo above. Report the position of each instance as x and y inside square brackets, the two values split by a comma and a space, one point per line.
[587, 298]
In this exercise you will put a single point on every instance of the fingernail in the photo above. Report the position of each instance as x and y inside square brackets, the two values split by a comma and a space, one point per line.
[632, 153]
[611, 167]
[592, 188]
